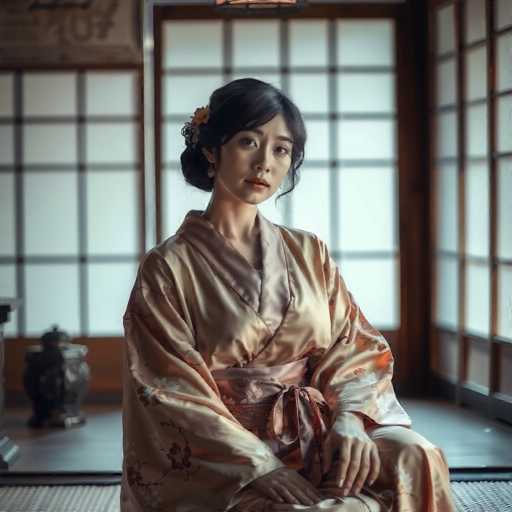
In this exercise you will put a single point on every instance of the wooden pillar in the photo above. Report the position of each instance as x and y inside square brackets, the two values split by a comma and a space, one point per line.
[9, 451]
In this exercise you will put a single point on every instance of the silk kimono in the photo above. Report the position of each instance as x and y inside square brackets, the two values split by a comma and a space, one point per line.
[231, 372]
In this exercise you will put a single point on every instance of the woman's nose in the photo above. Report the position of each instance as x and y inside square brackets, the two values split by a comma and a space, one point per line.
[263, 159]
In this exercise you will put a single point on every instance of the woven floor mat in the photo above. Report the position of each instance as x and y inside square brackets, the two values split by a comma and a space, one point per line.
[482, 496]
[469, 497]
[60, 498]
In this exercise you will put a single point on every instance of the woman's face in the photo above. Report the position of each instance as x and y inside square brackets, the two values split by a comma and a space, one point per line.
[262, 153]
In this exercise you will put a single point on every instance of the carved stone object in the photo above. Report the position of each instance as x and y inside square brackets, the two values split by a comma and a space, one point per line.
[56, 379]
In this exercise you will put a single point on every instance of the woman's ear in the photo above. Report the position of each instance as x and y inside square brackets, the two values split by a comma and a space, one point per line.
[209, 155]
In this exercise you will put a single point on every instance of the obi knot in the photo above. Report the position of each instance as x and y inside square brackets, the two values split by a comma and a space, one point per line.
[276, 404]
[296, 419]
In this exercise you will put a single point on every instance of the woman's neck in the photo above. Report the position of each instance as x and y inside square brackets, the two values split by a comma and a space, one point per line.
[235, 222]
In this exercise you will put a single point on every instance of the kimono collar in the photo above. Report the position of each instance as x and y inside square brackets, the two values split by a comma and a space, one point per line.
[269, 293]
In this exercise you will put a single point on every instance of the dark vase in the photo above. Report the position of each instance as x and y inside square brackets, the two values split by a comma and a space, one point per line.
[56, 379]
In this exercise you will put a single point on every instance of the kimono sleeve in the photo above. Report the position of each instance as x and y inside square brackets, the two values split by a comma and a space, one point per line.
[183, 449]
[355, 373]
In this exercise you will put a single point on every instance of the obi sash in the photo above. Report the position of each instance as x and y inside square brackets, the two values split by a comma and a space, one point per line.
[277, 405]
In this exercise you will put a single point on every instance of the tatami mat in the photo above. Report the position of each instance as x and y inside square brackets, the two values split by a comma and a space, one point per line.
[468, 496]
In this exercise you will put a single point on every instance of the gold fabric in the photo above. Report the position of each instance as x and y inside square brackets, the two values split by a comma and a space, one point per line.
[199, 313]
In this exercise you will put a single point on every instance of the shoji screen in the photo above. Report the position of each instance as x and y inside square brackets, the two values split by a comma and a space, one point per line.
[502, 41]
[70, 188]
[341, 74]
[472, 175]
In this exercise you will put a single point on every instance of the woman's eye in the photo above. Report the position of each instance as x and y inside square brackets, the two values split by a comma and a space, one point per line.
[282, 150]
[246, 139]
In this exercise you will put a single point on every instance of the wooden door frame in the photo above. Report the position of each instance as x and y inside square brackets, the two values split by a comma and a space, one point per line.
[410, 342]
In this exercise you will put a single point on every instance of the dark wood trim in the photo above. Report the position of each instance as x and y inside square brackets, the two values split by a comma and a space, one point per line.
[501, 407]
[393, 338]
[365, 10]
[139, 78]
[45, 68]
[434, 162]
[433, 338]
[470, 337]
[402, 99]
[81, 193]
[434, 4]
[20, 196]
[25, 478]
[461, 155]
[413, 197]
[501, 341]
[79, 118]
[474, 103]
[445, 330]
[471, 258]
[495, 405]
[502, 31]
[473, 337]
[440, 387]
[494, 348]
[157, 128]
[481, 474]
[475, 396]
[475, 44]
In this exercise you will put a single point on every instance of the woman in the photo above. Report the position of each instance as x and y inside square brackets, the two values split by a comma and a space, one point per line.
[252, 380]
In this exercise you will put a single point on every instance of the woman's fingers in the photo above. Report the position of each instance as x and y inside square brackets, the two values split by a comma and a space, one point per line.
[307, 487]
[343, 462]
[306, 493]
[274, 495]
[305, 496]
[295, 496]
[285, 485]
[375, 470]
[287, 495]
[364, 469]
[353, 468]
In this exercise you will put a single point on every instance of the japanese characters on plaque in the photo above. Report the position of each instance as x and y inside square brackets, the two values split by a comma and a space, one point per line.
[52, 32]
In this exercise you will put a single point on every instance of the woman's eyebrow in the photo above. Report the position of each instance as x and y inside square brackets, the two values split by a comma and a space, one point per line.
[281, 137]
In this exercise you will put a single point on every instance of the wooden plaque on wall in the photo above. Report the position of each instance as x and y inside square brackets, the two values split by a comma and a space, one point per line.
[56, 32]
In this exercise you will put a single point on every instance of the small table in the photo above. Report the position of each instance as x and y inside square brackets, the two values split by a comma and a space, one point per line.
[9, 451]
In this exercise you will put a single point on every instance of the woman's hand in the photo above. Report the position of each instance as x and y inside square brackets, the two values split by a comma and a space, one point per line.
[358, 455]
[285, 485]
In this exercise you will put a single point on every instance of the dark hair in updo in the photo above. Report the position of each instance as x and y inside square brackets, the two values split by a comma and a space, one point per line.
[240, 105]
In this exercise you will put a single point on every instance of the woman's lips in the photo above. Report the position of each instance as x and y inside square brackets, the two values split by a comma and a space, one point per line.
[257, 184]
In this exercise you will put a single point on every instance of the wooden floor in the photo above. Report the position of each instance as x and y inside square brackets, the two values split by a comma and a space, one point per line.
[467, 439]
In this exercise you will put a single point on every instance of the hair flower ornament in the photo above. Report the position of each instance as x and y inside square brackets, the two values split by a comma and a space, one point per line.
[191, 129]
